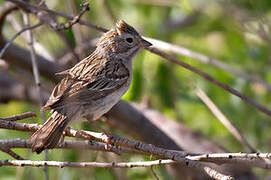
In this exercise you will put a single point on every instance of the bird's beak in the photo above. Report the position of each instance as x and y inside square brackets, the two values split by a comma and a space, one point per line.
[145, 43]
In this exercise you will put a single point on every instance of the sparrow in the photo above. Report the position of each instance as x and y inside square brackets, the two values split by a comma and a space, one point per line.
[93, 86]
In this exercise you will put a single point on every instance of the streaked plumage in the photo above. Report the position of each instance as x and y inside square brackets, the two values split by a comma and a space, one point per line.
[92, 86]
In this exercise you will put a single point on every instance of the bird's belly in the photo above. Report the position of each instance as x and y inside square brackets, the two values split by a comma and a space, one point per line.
[101, 106]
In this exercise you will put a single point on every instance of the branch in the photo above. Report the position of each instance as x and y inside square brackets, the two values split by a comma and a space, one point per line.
[37, 80]
[75, 19]
[34, 8]
[85, 164]
[224, 120]
[209, 78]
[261, 160]
[69, 144]
[207, 60]
[11, 153]
[16, 35]
[19, 116]
[119, 141]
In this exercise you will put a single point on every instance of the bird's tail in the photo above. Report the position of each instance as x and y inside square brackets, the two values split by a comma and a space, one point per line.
[49, 134]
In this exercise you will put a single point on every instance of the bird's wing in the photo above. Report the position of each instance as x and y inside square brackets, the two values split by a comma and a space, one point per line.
[89, 80]
[112, 77]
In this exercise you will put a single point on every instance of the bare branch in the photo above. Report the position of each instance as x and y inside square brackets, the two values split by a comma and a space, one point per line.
[16, 35]
[211, 79]
[11, 153]
[207, 60]
[17, 26]
[261, 160]
[19, 116]
[37, 80]
[75, 19]
[34, 8]
[85, 164]
[69, 144]
[224, 120]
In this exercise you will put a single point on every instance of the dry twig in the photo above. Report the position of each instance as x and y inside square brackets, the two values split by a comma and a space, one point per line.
[19, 116]
[75, 19]
[37, 81]
[69, 144]
[211, 79]
[85, 164]
[11, 153]
[224, 120]
[207, 60]
[16, 35]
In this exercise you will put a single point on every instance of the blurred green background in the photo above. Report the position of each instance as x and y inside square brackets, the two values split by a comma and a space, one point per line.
[235, 32]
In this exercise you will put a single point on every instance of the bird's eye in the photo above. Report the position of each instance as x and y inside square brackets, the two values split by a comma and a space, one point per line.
[129, 40]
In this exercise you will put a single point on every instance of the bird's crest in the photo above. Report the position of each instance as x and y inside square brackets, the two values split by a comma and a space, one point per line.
[122, 26]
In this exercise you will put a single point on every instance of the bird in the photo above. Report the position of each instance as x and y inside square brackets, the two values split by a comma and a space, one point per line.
[92, 86]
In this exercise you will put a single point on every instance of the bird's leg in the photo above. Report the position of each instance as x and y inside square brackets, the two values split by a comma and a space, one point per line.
[108, 134]
[61, 140]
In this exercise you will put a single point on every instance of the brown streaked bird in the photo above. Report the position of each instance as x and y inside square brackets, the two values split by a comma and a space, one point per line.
[92, 86]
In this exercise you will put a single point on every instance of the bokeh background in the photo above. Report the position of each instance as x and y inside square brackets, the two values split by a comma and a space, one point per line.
[236, 33]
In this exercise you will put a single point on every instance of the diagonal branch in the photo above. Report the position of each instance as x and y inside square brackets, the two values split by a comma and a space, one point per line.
[19, 116]
[207, 60]
[16, 35]
[11, 153]
[211, 79]
[224, 120]
[75, 19]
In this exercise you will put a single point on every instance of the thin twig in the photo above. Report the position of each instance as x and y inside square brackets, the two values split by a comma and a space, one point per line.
[16, 35]
[11, 153]
[224, 120]
[154, 174]
[52, 22]
[34, 8]
[211, 79]
[261, 160]
[75, 19]
[37, 81]
[38, 46]
[207, 60]
[85, 164]
[19, 116]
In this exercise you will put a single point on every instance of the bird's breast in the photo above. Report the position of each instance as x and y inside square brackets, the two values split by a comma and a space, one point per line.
[102, 106]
